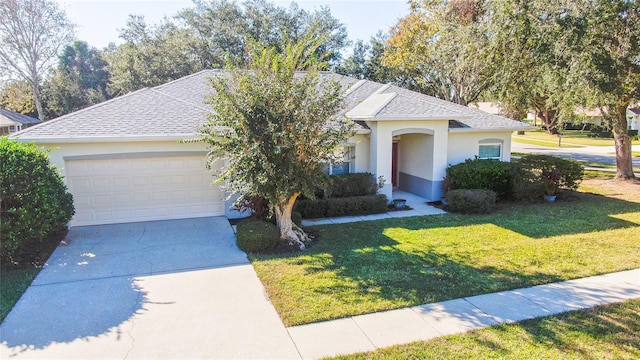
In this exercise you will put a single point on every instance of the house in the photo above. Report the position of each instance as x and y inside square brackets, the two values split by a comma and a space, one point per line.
[633, 118]
[11, 121]
[123, 160]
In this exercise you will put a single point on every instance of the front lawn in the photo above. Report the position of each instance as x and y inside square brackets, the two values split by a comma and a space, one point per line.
[365, 267]
[605, 332]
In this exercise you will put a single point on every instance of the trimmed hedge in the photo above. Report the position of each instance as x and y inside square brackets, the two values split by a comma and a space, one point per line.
[347, 185]
[255, 235]
[471, 201]
[480, 174]
[35, 201]
[349, 206]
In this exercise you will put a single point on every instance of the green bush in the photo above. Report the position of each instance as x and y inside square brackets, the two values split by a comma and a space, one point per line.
[528, 180]
[480, 174]
[471, 201]
[34, 200]
[332, 207]
[256, 235]
[347, 185]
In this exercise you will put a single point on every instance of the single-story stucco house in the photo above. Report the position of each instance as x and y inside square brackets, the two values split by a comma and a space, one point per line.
[123, 160]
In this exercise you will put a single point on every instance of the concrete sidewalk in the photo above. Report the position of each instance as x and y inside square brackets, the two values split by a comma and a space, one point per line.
[378, 330]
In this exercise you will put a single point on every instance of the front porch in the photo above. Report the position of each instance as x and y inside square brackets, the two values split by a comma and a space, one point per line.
[417, 204]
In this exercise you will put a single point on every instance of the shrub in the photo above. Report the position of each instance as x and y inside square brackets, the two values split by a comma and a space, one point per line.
[533, 175]
[471, 201]
[256, 205]
[256, 235]
[332, 207]
[34, 200]
[480, 174]
[347, 185]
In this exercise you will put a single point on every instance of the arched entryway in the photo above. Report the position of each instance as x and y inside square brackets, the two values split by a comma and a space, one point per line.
[413, 162]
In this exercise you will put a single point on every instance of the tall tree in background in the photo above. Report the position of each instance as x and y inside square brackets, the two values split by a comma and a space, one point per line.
[31, 34]
[439, 48]
[224, 29]
[151, 55]
[365, 62]
[602, 49]
[211, 35]
[79, 80]
[275, 128]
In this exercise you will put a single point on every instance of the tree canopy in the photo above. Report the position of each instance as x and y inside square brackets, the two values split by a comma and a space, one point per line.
[275, 127]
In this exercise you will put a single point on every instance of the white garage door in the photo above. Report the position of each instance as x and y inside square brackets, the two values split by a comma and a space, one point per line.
[116, 190]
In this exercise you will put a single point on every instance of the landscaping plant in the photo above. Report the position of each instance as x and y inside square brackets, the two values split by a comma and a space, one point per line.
[34, 201]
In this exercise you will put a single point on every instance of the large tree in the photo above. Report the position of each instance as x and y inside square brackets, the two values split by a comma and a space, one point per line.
[440, 48]
[275, 127]
[556, 56]
[602, 50]
[79, 80]
[151, 55]
[31, 34]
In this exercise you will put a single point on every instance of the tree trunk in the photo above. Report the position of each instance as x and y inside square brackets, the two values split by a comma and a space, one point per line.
[288, 230]
[37, 99]
[624, 164]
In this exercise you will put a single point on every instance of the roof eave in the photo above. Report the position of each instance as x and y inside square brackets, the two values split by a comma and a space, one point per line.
[444, 117]
[105, 139]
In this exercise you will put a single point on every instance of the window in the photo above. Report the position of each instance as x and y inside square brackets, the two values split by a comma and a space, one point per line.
[490, 151]
[342, 167]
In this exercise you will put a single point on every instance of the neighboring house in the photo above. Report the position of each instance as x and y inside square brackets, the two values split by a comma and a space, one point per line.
[123, 159]
[11, 121]
[633, 118]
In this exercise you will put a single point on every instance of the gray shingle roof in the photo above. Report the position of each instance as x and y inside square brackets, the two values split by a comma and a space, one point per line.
[178, 109]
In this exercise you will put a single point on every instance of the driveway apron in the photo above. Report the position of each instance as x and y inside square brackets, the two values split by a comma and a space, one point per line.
[165, 289]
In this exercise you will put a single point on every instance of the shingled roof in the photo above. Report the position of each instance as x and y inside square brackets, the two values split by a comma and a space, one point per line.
[176, 110]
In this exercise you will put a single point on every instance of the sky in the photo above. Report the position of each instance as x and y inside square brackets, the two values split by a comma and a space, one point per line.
[98, 21]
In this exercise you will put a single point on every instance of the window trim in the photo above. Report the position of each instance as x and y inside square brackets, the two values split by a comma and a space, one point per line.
[491, 142]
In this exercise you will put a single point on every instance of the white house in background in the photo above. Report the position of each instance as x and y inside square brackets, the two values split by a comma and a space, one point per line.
[11, 121]
[633, 118]
[123, 159]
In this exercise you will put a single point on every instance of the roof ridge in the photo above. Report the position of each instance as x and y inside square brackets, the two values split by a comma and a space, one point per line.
[94, 106]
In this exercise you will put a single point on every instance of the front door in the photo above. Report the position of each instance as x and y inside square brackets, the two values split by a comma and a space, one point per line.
[394, 164]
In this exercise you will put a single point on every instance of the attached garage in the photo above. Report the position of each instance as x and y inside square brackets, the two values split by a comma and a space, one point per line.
[141, 187]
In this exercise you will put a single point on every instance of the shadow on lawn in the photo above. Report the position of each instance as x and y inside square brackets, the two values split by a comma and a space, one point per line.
[385, 268]
[615, 326]
[381, 269]
[573, 213]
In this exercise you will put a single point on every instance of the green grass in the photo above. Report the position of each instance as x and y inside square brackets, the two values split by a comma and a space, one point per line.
[633, 153]
[365, 267]
[14, 283]
[605, 332]
[570, 138]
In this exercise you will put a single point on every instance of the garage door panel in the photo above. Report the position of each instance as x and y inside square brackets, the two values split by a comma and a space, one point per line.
[142, 189]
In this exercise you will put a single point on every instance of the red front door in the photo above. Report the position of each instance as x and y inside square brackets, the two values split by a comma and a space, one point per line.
[394, 164]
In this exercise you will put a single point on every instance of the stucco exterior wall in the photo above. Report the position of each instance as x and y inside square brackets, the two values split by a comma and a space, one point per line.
[463, 145]
[60, 151]
[362, 145]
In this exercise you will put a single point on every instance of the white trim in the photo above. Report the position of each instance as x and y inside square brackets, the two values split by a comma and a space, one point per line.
[500, 144]
[496, 129]
[412, 117]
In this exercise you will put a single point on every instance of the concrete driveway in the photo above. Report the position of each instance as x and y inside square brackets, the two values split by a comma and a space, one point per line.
[165, 289]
